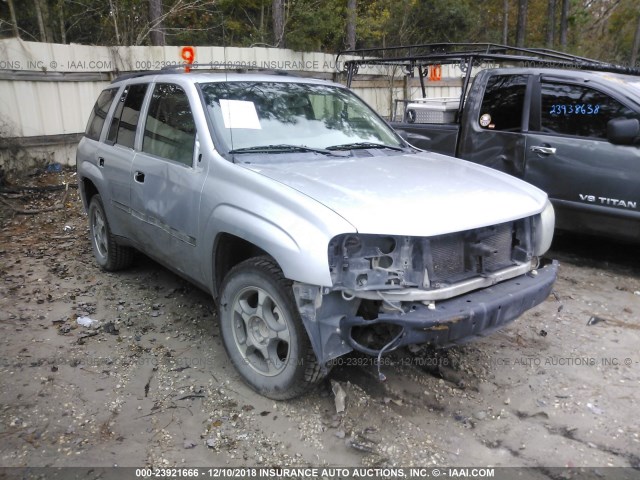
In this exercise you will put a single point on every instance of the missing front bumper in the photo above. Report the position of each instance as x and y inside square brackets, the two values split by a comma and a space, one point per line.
[459, 319]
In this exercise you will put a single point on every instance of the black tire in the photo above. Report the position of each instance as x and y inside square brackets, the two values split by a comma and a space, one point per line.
[108, 254]
[268, 345]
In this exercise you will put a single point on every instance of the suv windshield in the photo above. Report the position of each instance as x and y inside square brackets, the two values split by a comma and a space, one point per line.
[278, 117]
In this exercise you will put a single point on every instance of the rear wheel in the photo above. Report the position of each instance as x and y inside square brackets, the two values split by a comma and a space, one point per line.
[263, 333]
[108, 254]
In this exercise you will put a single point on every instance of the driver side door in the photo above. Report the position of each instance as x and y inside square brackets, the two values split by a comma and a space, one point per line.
[592, 182]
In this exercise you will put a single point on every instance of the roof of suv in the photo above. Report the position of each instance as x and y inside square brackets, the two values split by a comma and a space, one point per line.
[219, 75]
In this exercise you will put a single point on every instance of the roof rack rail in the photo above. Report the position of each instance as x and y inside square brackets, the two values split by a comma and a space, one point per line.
[140, 73]
[468, 54]
[224, 67]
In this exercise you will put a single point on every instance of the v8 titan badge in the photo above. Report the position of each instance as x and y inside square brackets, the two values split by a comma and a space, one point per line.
[485, 120]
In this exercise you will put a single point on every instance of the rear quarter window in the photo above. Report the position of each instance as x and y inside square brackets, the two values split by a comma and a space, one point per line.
[125, 118]
[99, 113]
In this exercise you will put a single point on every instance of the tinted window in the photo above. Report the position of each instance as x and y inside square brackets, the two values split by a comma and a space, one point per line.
[579, 111]
[123, 126]
[115, 121]
[99, 113]
[503, 103]
[169, 130]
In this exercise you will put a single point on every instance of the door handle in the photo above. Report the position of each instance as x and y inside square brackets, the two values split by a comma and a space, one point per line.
[100, 161]
[139, 177]
[543, 150]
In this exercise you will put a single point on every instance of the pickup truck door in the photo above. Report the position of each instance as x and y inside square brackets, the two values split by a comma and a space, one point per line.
[167, 180]
[494, 122]
[592, 183]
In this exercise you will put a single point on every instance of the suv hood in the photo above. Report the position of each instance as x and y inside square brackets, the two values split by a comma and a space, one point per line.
[420, 194]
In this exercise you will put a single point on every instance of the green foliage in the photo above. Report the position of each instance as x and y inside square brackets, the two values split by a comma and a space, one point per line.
[602, 29]
[622, 27]
[316, 25]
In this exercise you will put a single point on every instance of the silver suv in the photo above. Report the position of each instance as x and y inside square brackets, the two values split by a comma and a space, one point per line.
[315, 227]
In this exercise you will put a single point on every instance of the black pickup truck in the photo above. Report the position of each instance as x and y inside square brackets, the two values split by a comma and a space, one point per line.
[567, 124]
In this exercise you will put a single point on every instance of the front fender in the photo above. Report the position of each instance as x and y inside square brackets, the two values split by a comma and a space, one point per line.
[301, 259]
[290, 226]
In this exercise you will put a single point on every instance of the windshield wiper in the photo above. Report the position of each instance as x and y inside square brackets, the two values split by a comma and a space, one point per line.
[281, 148]
[364, 145]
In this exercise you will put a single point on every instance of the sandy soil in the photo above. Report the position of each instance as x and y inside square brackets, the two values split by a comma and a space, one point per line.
[151, 383]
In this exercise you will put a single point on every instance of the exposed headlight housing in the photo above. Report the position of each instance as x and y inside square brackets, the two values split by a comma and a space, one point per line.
[364, 262]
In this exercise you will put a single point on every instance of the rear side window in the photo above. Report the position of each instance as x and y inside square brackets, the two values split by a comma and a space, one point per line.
[125, 119]
[170, 130]
[503, 103]
[99, 113]
[579, 111]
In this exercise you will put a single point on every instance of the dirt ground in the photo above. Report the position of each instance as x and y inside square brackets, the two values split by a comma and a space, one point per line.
[150, 384]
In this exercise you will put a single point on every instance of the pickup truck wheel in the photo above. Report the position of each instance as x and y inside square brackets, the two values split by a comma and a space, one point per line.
[263, 333]
[109, 255]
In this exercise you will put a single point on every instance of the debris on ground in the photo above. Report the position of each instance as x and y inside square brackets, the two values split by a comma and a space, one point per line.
[340, 396]
[150, 383]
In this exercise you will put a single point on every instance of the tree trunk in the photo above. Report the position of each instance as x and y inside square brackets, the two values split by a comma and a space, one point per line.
[521, 29]
[63, 30]
[505, 22]
[155, 20]
[551, 23]
[351, 24]
[564, 19]
[114, 16]
[262, 23]
[14, 21]
[43, 34]
[636, 45]
[278, 23]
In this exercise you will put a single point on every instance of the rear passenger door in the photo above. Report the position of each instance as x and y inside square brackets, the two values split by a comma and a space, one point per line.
[592, 183]
[167, 179]
[115, 155]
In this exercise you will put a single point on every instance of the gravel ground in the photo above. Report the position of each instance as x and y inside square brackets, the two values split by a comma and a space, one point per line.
[150, 383]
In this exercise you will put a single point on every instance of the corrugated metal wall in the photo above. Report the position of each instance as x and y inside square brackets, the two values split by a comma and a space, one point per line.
[47, 90]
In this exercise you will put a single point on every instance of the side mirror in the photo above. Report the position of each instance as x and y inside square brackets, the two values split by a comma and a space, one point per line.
[624, 131]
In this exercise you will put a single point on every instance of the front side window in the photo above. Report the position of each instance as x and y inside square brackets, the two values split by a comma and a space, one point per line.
[254, 114]
[99, 113]
[578, 111]
[503, 103]
[125, 119]
[169, 130]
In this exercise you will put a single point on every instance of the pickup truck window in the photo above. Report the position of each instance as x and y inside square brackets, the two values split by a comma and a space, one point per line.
[170, 130]
[99, 113]
[503, 103]
[579, 111]
[125, 118]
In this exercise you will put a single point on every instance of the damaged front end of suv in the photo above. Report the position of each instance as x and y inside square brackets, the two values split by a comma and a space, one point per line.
[391, 290]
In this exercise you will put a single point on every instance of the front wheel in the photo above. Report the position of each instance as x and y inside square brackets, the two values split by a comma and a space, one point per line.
[263, 333]
[108, 254]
